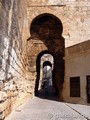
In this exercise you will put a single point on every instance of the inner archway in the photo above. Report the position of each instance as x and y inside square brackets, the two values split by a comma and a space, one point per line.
[45, 75]
[47, 88]
[46, 38]
[44, 59]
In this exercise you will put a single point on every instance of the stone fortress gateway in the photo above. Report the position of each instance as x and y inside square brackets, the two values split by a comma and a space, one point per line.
[30, 29]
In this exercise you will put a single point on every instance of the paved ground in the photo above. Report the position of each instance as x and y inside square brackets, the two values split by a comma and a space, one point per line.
[43, 109]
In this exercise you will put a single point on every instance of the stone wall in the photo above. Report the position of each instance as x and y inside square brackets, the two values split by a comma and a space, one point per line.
[74, 15]
[13, 57]
[77, 60]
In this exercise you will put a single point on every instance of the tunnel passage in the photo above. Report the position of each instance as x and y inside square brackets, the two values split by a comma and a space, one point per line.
[47, 88]
[45, 74]
[46, 38]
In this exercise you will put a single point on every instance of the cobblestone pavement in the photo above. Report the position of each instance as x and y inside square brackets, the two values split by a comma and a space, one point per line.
[42, 109]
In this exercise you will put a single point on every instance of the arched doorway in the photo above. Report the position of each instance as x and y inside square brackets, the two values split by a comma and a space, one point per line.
[46, 26]
[45, 74]
[46, 38]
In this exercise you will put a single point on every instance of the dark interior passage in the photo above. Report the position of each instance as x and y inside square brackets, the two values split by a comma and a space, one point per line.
[46, 82]
[46, 26]
[45, 76]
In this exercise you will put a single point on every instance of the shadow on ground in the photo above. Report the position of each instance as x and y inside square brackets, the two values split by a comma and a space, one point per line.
[48, 93]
